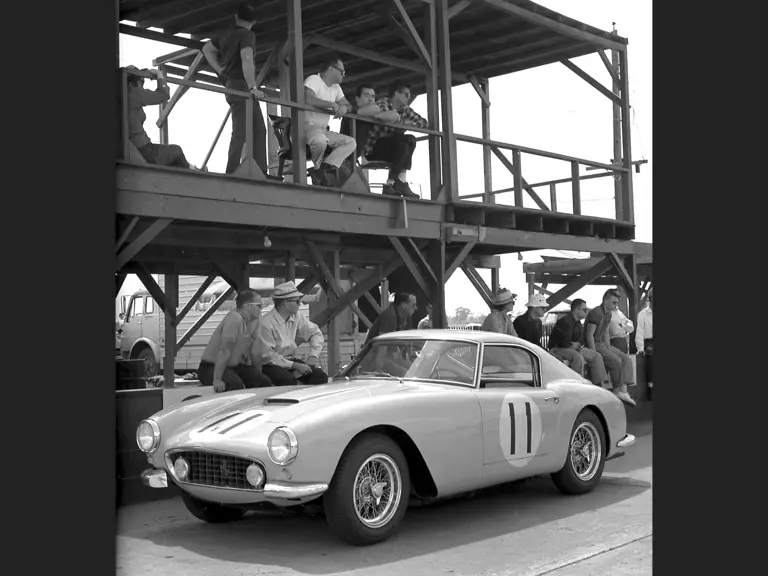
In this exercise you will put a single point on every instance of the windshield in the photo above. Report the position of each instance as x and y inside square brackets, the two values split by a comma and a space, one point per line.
[439, 360]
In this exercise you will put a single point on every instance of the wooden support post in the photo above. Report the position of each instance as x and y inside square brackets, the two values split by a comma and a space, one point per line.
[494, 280]
[509, 166]
[290, 262]
[450, 191]
[436, 254]
[172, 303]
[517, 177]
[553, 197]
[485, 112]
[333, 325]
[411, 265]
[296, 39]
[384, 293]
[617, 195]
[531, 286]
[578, 283]
[576, 187]
[248, 168]
[272, 145]
[626, 141]
[433, 102]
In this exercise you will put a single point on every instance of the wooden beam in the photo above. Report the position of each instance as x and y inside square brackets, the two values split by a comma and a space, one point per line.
[160, 37]
[578, 283]
[480, 91]
[531, 192]
[433, 104]
[192, 301]
[296, 75]
[268, 63]
[485, 118]
[372, 55]
[423, 260]
[153, 289]
[576, 188]
[331, 296]
[618, 197]
[457, 261]
[177, 55]
[458, 8]
[591, 81]
[626, 142]
[372, 301]
[450, 187]
[560, 27]
[128, 253]
[478, 283]
[308, 283]
[436, 252]
[229, 275]
[548, 293]
[126, 233]
[609, 66]
[204, 318]
[180, 91]
[356, 292]
[411, 265]
[422, 50]
[621, 272]
[331, 280]
[172, 303]
[119, 281]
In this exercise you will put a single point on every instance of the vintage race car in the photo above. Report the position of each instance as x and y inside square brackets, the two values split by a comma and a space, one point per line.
[418, 415]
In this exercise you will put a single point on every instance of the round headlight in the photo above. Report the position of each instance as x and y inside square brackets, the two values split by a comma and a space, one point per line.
[255, 475]
[282, 446]
[148, 435]
[181, 468]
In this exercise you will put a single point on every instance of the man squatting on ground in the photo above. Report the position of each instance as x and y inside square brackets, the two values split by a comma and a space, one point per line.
[280, 332]
[233, 358]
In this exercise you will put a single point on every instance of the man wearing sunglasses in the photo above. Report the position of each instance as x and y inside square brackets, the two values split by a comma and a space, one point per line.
[232, 360]
[324, 91]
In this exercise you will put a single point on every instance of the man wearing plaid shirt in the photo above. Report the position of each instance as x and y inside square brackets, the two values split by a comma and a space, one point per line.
[391, 144]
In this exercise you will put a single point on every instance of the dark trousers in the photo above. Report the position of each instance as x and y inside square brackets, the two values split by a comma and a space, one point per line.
[621, 344]
[648, 342]
[283, 377]
[236, 378]
[164, 155]
[397, 150]
[238, 107]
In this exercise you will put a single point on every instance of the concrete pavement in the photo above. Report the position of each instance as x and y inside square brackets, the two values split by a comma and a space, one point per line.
[524, 530]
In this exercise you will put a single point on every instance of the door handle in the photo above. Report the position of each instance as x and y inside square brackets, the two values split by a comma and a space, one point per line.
[554, 398]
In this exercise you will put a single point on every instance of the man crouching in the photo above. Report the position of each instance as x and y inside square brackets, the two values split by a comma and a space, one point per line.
[232, 360]
[281, 331]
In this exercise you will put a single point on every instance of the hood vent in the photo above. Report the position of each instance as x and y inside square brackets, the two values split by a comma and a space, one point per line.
[281, 401]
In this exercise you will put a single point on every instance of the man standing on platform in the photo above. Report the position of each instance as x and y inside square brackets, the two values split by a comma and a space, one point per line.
[644, 338]
[231, 55]
[282, 330]
[619, 364]
[232, 359]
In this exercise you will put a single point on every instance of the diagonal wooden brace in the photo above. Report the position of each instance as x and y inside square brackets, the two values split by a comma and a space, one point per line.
[421, 50]
[621, 272]
[127, 254]
[591, 81]
[465, 250]
[478, 282]
[204, 318]
[578, 283]
[192, 301]
[180, 91]
[411, 265]
[153, 289]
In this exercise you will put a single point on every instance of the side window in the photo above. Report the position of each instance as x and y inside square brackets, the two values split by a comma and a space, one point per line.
[508, 367]
[149, 306]
[137, 307]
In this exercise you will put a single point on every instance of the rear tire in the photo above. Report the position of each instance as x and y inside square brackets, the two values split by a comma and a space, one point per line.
[368, 495]
[210, 512]
[148, 356]
[586, 456]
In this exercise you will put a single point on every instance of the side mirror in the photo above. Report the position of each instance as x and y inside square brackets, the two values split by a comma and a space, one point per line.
[122, 316]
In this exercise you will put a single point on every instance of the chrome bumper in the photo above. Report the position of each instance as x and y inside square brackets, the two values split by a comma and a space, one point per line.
[272, 490]
[625, 442]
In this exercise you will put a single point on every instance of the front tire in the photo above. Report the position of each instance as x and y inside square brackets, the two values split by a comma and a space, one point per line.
[369, 491]
[150, 366]
[210, 512]
[586, 456]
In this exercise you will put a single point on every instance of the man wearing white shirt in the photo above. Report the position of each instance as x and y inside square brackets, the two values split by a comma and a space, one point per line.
[324, 91]
[644, 338]
[619, 329]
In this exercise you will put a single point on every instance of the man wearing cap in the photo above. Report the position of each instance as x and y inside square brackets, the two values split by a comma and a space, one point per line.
[597, 338]
[565, 343]
[138, 97]
[281, 331]
[232, 359]
[528, 325]
[231, 54]
[498, 320]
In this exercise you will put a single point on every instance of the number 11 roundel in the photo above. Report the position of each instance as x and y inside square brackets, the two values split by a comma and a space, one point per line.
[519, 428]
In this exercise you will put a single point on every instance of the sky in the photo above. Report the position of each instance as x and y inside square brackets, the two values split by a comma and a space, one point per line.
[548, 108]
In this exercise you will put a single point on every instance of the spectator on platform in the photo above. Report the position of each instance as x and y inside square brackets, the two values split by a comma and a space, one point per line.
[232, 359]
[619, 330]
[282, 330]
[398, 316]
[323, 90]
[231, 55]
[138, 98]
[644, 338]
[565, 343]
[364, 105]
[393, 145]
[596, 337]
[528, 326]
[498, 320]
[426, 322]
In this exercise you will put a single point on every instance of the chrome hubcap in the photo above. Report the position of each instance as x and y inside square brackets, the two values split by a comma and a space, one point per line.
[377, 491]
[586, 451]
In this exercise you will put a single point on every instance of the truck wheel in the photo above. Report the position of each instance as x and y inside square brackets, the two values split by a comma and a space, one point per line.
[368, 495]
[151, 364]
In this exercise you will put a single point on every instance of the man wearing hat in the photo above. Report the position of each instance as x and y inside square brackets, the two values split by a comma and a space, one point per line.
[498, 320]
[528, 325]
[281, 331]
[138, 97]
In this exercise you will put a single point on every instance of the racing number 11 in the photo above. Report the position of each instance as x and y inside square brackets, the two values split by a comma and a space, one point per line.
[527, 427]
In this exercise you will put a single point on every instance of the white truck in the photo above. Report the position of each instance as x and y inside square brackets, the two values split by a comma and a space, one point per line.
[142, 335]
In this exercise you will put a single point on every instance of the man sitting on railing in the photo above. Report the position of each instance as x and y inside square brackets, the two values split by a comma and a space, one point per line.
[391, 144]
[230, 54]
[138, 97]
[323, 90]
[528, 325]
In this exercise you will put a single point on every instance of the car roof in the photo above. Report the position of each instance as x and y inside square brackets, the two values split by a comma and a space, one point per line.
[459, 335]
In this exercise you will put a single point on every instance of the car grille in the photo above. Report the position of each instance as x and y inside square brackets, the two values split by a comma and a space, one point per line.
[217, 470]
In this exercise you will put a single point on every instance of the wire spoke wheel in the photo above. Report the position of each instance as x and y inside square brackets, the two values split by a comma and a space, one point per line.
[586, 451]
[377, 491]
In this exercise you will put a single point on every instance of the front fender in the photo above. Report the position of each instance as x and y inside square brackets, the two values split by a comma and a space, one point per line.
[140, 342]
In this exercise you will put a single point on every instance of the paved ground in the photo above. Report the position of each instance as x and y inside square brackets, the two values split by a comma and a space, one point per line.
[529, 530]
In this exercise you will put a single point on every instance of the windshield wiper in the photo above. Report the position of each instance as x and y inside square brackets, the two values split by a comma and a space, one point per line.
[381, 374]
